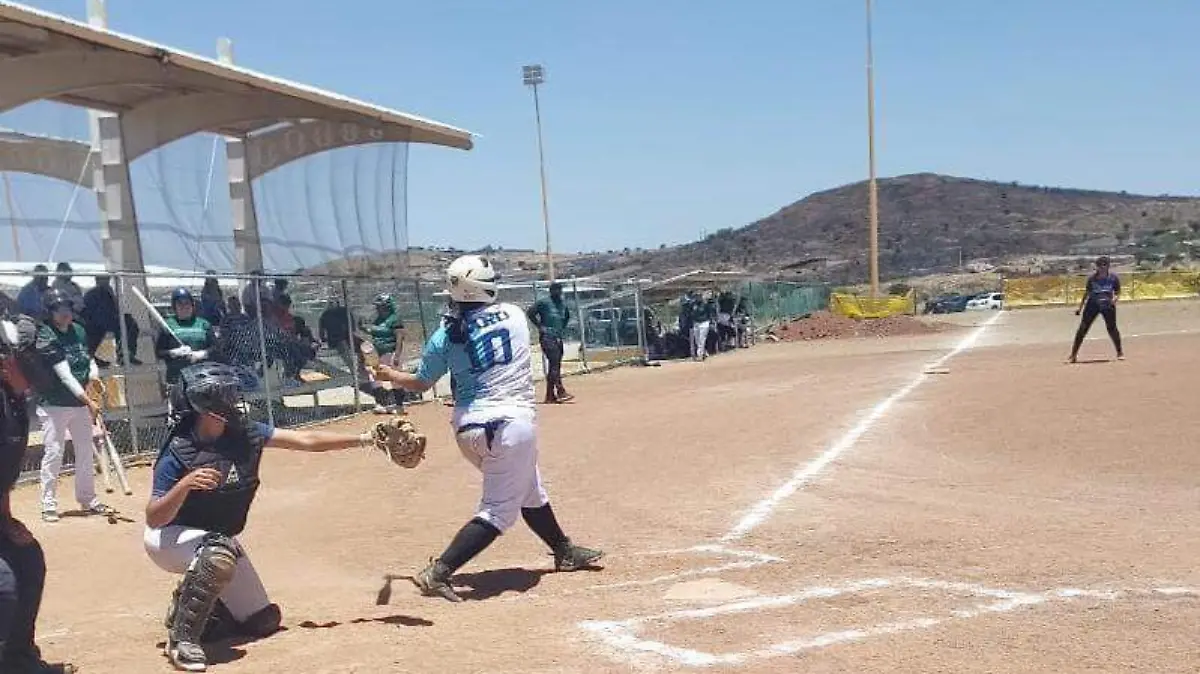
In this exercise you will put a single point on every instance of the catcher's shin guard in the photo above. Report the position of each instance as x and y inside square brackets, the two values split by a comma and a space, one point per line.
[209, 573]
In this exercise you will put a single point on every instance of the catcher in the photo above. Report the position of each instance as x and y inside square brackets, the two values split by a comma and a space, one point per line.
[205, 479]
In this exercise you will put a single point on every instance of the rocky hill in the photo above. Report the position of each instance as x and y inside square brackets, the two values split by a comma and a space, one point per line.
[928, 224]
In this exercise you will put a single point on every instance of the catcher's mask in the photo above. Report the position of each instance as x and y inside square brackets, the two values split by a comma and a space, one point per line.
[212, 389]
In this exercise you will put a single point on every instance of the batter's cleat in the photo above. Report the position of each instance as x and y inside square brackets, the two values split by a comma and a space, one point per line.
[50, 516]
[186, 656]
[571, 557]
[434, 581]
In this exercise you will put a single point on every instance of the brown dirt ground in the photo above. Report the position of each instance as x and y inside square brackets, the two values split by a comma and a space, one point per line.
[1012, 471]
[826, 325]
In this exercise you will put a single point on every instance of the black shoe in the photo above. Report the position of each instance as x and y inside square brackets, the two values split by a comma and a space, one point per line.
[573, 557]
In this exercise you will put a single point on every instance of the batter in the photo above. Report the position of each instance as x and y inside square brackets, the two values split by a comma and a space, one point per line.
[484, 345]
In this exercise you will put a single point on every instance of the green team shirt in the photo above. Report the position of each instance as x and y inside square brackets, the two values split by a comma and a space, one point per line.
[383, 333]
[195, 332]
[54, 347]
[551, 318]
[703, 310]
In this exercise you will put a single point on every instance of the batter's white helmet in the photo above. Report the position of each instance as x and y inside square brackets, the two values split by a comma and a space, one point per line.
[471, 278]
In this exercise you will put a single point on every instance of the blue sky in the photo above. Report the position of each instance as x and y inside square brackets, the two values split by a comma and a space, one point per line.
[666, 118]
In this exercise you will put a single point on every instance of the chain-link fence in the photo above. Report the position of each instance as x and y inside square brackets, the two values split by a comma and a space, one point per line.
[295, 337]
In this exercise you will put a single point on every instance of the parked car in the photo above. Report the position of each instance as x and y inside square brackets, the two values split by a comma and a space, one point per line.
[949, 304]
[987, 301]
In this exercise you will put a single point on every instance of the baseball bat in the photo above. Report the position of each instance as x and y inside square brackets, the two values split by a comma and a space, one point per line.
[118, 466]
[102, 459]
[95, 392]
[154, 315]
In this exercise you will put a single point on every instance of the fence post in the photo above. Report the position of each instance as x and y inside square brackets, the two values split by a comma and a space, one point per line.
[350, 332]
[128, 363]
[582, 326]
[641, 321]
[262, 344]
[421, 311]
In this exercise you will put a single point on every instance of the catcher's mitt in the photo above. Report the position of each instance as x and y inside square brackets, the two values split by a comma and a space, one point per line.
[399, 441]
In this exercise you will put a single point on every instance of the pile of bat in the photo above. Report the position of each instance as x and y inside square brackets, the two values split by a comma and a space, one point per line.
[108, 451]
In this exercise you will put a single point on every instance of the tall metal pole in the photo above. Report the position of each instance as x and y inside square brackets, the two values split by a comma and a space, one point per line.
[872, 188]
[12, 215]
[534, 75]
[537, 111]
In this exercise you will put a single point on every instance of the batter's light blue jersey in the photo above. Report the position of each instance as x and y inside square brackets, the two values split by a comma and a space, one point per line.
[492, 369]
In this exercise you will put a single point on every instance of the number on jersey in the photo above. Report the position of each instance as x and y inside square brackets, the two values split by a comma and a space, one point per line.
[491, 348]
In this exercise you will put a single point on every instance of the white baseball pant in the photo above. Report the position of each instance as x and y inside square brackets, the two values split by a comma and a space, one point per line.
[57, 424]
[511, 478]
[173, 548]
[700, 340]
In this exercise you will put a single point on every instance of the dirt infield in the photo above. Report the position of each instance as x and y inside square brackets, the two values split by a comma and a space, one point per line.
[816, 507]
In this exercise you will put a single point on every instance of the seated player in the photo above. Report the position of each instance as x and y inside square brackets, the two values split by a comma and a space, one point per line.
[205, 480]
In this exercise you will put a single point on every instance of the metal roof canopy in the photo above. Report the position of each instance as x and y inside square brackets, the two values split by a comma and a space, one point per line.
[698, 279]
[48, 57]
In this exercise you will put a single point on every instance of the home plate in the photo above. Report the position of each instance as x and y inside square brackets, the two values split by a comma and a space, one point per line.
[707, 590]
[937, 370]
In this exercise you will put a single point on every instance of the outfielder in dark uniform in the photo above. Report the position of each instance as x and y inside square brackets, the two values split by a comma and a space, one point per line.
[205, 480]
[22, 562]
[1099, 299]
[551, 316]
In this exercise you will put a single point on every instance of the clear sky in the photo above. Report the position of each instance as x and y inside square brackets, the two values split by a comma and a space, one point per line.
[666, 118]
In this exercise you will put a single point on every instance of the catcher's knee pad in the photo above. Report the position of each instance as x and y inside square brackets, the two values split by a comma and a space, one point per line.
[206, 577]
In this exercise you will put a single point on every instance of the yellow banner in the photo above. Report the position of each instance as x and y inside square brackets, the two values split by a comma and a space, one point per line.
[1042, 290]
[857, 306]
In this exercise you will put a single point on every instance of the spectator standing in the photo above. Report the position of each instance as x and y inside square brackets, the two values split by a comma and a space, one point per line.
[551, 316]
[101, 317]
[70, 288]
[212, 300]
[29, 300]
[703, 311]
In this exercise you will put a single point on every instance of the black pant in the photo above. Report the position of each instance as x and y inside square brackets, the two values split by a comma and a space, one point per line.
[552, 349]
[1090, 311]
[22, 578]
[96, 334]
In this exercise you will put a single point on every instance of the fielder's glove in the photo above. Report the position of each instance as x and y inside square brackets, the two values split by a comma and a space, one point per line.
[399, 441]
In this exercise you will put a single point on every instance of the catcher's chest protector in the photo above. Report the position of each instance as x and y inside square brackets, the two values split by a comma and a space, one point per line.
[236, 456]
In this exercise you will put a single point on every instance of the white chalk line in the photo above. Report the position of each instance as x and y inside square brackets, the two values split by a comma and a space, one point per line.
[622, 636]
[761, 511]
[746, 559]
